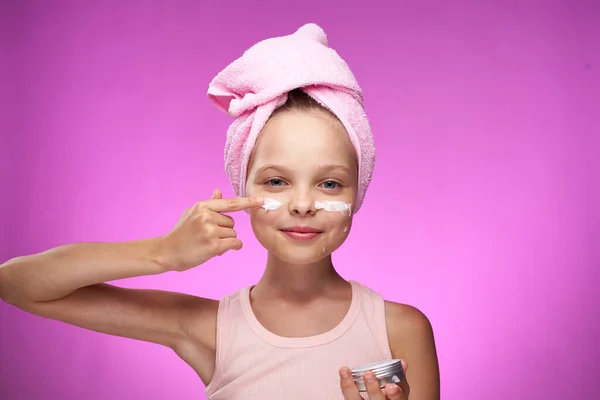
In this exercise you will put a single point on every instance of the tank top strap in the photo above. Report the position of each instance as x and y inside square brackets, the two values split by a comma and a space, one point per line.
[373, 310]
[227, 306]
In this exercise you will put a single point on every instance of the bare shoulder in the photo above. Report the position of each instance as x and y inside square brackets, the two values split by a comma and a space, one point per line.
[411, 339]
[406, 321]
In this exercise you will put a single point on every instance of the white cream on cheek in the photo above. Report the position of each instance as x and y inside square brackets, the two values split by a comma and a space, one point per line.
[325, 205]
[334, 206]
[271, 204]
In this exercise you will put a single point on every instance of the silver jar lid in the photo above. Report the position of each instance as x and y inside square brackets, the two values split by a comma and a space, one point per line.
[380, 369]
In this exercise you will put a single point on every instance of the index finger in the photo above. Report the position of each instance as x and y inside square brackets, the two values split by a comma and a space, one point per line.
[349, 389]
[234, 204]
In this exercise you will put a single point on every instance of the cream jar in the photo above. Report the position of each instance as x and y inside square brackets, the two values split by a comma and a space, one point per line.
[389, 371]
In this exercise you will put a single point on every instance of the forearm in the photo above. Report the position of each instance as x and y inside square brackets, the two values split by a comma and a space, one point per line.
[58, 272]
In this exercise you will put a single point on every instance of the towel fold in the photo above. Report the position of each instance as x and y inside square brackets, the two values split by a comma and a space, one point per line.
[257, 83]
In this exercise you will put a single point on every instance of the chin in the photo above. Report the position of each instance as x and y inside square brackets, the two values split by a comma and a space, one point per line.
[299, 257]
[298, 252]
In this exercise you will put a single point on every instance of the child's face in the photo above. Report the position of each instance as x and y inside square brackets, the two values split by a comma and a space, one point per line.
[300, 158]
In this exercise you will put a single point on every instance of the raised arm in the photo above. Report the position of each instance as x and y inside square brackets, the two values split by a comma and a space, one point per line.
[67, 283]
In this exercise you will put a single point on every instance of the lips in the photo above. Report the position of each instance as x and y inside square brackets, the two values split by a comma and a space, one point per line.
[301, 232]
[302, 229]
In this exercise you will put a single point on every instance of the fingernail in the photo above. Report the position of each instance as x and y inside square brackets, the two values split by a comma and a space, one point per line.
[392, 389]
[260, 199]
[371, 377]
[345, 373]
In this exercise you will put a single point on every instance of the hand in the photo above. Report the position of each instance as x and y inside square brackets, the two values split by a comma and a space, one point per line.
[203, 232]
[391, 391]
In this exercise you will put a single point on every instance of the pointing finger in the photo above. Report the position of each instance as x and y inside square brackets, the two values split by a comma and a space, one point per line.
[234, 204]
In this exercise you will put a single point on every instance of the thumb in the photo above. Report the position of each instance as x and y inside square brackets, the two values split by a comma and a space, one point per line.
[217, 194]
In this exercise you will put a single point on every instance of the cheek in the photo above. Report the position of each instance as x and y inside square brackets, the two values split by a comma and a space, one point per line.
[262, 223]
[339, 225]
[262, 218]
[338, 228]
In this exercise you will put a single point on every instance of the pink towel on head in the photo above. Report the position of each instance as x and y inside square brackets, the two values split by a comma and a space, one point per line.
[254, 85]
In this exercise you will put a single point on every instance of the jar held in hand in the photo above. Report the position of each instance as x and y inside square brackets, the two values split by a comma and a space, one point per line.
[389, 371]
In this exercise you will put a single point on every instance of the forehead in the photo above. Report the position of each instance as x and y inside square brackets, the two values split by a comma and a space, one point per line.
[303, 139]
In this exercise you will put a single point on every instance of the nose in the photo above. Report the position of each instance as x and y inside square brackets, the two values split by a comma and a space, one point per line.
[302, 205]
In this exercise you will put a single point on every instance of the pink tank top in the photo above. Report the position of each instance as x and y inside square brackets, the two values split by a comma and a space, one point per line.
[253, 363]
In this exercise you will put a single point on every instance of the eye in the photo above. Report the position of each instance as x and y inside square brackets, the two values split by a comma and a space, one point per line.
[331, 185]
[275, 182]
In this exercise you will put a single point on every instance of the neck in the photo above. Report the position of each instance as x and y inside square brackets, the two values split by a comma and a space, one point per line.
[298, 283]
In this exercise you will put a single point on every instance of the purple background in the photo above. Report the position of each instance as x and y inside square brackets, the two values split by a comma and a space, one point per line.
[483, 211]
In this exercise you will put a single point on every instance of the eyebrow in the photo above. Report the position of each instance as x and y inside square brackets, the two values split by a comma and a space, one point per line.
[322, 167]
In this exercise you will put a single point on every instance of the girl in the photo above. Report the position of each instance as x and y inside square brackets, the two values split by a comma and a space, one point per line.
[299, 330]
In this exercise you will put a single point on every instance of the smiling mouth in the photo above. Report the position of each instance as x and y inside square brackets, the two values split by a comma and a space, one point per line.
[301, 233]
